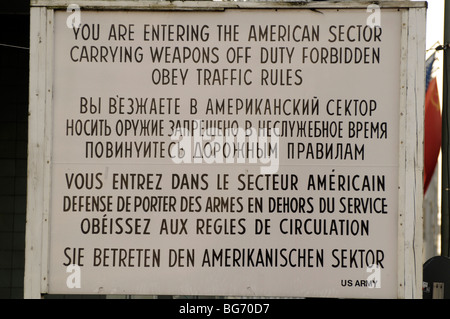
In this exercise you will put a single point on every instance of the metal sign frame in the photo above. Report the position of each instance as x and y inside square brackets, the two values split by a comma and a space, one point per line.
[412, 94]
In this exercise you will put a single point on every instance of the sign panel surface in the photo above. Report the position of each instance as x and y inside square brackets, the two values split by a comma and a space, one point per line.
[244, 152]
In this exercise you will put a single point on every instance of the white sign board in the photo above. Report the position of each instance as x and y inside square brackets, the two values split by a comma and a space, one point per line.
[237, 152]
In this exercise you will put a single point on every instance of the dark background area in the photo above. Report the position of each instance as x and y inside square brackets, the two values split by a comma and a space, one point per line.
[14, 57]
